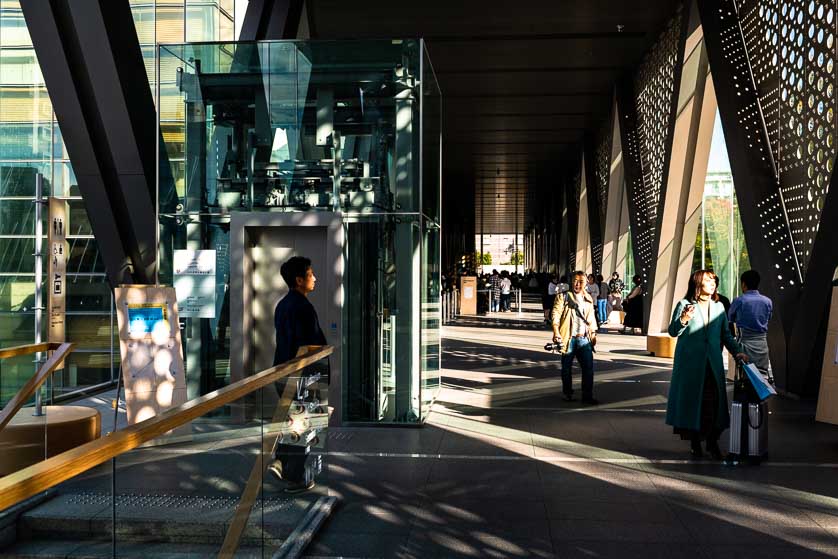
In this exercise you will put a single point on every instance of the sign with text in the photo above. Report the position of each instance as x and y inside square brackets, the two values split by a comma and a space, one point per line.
[194, 275]
[56, 269]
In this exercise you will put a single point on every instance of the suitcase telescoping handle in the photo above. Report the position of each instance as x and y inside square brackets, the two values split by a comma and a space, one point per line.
[741, 376]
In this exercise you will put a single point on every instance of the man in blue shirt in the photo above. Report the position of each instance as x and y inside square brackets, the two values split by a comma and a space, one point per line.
[751, 312]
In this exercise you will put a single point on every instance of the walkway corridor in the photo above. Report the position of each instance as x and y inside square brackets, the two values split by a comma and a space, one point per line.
[506, 468]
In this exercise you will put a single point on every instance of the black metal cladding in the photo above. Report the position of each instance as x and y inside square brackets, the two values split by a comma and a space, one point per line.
[597, 172]
[646, 103]
[773, 67]
[271, 20]
[93, 68]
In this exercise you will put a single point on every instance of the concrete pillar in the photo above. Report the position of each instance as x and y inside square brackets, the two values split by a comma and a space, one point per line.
[681, 207]
[584, 259]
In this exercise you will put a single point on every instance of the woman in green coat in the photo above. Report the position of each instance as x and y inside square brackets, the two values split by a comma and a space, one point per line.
[697, 404]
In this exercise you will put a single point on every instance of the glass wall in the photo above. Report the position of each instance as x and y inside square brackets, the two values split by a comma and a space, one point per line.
[287, 127]
[720, 245]
[31, 143]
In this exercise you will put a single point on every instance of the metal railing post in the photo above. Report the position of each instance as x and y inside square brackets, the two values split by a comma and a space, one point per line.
[39, 268]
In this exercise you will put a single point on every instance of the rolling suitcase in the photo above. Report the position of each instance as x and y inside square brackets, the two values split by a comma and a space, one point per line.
[748, 422]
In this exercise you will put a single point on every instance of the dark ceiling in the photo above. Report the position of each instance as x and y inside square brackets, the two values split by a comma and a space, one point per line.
[521, 82]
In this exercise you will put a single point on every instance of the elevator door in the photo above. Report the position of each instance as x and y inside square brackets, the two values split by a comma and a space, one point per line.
[269, 248]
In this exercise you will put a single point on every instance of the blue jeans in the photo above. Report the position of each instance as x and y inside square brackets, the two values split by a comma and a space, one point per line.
[601, 310]
[582, 350]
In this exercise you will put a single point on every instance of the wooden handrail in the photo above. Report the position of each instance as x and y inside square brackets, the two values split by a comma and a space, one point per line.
[27, 349]
[35, 381]
[31, 480]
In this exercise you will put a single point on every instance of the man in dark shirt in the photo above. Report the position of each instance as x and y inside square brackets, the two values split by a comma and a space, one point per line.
[295, 318]
[296, 326]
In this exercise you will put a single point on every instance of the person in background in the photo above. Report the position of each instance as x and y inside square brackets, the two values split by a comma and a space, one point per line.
[602, 300]
[549, 298]
[505, 291]
[633, 306]
[615, 293]
[751, 312]
[697, 404]
[574, 329]
[592, 288]
[494, 288]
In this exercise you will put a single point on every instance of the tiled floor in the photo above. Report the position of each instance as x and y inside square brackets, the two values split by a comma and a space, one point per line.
[547, 478]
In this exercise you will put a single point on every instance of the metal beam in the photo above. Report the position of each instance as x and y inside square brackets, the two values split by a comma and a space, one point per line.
[93, 67]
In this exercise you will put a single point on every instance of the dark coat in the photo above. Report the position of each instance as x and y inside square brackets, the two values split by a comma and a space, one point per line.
[296, 325]
[698, 345]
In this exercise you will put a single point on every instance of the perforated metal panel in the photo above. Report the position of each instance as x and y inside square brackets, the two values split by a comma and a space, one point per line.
[773, 63]
[646, 105]
[790, 50]
[598, 190]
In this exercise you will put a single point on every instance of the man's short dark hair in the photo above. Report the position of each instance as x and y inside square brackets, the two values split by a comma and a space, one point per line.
[751, 279]
[295, 267]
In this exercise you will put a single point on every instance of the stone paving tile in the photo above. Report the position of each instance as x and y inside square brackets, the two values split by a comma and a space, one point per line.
[466, 478]
[508, 517]
[619, 531]
[626, 550]
[477, 543]
[771, 551]
[641, 509]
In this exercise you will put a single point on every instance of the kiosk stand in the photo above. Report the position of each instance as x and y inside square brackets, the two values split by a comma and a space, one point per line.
[468, 295]
[150, 348]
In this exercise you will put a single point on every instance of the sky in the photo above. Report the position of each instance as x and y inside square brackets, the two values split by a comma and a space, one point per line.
[718, 150]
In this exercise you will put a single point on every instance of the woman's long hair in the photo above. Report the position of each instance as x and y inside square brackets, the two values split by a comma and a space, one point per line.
[694, 286]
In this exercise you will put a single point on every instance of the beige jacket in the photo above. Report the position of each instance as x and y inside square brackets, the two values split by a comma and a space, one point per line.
[562, 318]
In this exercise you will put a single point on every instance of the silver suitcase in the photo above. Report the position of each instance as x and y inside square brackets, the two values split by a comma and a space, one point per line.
[749, 433]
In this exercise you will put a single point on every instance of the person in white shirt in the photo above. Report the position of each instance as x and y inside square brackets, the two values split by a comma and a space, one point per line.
[505, 291]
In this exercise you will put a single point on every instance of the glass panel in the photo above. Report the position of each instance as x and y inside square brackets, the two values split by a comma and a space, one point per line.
[170, 21]
[358, 154]
[18, 179]
[19, 67]
[431, 317]
[721, 244]
[25, 141]
[17, 294]
[16, 255]
[431, 140]
[17, 217]
[78, 224]
[207, 341]
[201, 21]
[25, 104]
[84, 257]
[382, 320]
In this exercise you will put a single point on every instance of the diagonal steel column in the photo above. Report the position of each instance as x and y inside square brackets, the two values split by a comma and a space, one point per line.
[271, 20]
[93, 68]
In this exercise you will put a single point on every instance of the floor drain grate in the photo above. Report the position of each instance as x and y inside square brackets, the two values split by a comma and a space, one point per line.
[158, 500]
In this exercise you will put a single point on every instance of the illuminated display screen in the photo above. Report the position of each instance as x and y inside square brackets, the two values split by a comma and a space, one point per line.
[142, 319]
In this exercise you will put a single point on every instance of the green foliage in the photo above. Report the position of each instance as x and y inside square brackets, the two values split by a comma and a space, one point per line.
[517, 258]
[483, 259]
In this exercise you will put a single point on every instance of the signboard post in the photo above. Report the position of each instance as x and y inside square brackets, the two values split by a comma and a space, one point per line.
[56, 269]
